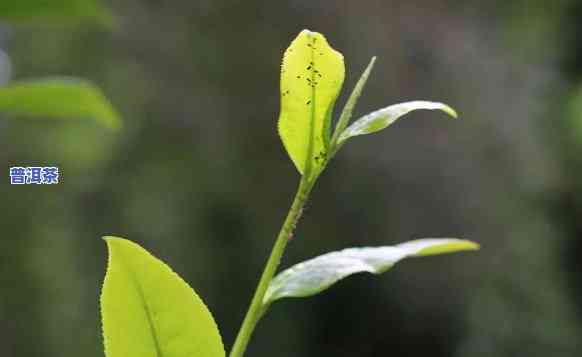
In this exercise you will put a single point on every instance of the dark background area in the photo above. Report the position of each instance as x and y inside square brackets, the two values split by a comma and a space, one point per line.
[200, 178]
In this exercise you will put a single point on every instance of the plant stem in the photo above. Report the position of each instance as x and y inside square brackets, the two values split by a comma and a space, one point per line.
[257, 308]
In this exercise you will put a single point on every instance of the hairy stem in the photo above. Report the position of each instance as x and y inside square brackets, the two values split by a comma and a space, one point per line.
[257, 308]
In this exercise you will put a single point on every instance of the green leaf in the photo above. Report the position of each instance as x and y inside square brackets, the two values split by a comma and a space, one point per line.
[149, 311]
[346, 114]
[55, 11]
[58, 98]
[318, 274]
[311, 79]
[381, 119]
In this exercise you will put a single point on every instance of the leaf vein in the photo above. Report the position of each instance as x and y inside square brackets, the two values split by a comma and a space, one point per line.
[148, 312]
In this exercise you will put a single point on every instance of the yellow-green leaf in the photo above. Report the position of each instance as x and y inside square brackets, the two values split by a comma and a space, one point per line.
[316, 275]
[58, 98]
[311, 79]
[381, 119]
[149, 311]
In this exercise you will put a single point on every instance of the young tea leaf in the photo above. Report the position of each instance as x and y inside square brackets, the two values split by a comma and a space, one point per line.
[346, 114]
[55, 11]
[382, 118]
[311, 79]
[58, 98]
[149, 311]
[316, 275]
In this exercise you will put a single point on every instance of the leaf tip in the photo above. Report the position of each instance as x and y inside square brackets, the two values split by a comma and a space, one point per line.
[450, 111]
[114, 123]
[473, 245]
[447, 246]
[112, 240]
[369, 68]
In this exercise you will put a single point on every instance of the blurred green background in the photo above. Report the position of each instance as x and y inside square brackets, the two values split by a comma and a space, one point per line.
[200, 178]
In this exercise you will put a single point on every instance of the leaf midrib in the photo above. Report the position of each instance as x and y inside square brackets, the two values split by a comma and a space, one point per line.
[309, 167]
[146, 307]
